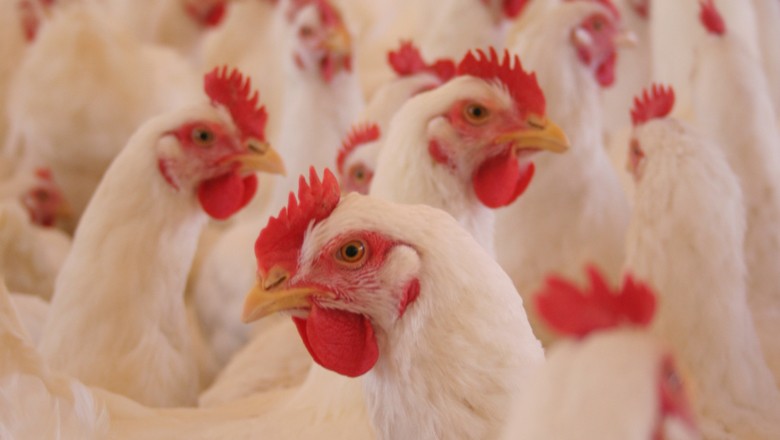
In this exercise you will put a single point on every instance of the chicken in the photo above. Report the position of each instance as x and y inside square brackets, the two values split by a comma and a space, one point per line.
[575, 211]
[146, 215]
[464, 147]
[360, 285]
[323, 95]
[686, 239]
[356, 165]
[76, 119]
[751, 144]
[612, 380]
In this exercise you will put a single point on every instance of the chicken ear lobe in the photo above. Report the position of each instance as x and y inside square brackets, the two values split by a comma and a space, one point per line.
[501, 179]
[339, 341]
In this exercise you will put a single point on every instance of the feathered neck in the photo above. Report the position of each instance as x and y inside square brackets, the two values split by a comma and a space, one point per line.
[450, 366]
[406, 172]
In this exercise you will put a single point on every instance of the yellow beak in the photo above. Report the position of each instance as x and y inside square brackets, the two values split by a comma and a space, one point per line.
[626, 39]
[260, 302]
[261, 157]
[543, 134]
[338, 41]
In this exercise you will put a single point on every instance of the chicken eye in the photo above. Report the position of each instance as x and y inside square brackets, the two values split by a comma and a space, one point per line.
[358, 172]
[598, 24]
[202, 136]
[352, 252]
[306, 32]
[476, 113]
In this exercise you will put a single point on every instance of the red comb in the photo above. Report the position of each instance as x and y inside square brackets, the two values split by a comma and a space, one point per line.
[655, 104]
[235, 94]
[360, 134]
[407, 61]
[577, 312]
[522, 86]
[711, 18]
[279, 243]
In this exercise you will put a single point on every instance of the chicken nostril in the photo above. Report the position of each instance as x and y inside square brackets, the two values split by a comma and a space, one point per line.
[273, 283]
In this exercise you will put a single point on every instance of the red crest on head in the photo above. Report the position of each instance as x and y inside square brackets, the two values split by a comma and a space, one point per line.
[577, 312]
[655, 103]
[711, 18]
[407, 61]
[360, 134]
[522, 86]
[279, 243]
[235, 93]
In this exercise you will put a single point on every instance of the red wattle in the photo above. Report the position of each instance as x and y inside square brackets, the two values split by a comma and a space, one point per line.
[223, 196]
[340, 341]
[501, 179]
[605, 73]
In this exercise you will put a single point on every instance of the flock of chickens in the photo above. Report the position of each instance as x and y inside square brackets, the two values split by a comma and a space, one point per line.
[377, 181]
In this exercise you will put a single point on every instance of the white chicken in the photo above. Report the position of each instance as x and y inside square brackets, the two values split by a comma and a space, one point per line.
[612, 380]
[361, 285]
[686, 239]
[146, 215]
[751, 143]
[75, 118]
[464, 147]
[575, 211]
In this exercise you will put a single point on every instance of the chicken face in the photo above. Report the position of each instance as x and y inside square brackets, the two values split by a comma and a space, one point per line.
[654, 103]
[355, 174]
[209, 157]
[343, 285]
[45, 202]
[596, 40]
[215, 150]
[485, 137]
[322, 41]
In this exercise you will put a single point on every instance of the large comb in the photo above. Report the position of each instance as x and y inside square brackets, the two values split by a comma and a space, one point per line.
[710, 17]
[360, 134]
[522, 86]
[655, 103]
[407, 61]
[279, 243]
[234, 92]
[577, 312]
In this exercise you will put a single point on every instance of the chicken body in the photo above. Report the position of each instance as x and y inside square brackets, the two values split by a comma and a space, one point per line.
[705, 317]
[751, 145]
[575, 211]
[121, 287]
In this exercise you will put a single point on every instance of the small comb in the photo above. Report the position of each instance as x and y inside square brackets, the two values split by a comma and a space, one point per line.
[654, 104]
[279, 243]
[522, 86]
[407, 61]
[360, 134]
[577, 312]
[234, 93]
[710, 17]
